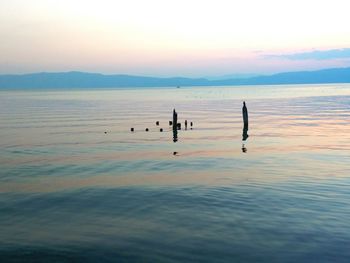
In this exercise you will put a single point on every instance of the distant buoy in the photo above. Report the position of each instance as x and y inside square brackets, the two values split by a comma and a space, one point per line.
[161, 130]
[157, 123]
[146, 130]
[132, 129]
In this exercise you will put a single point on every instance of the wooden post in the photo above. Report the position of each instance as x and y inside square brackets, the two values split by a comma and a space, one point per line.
[245, 122]
[174, 120]
[174, 126]
[245, 115]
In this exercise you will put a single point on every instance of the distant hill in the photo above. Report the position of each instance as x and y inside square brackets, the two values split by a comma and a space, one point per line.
[334, 75]
[93, 80]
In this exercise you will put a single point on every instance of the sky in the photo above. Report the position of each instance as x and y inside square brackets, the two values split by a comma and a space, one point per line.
[173, 38]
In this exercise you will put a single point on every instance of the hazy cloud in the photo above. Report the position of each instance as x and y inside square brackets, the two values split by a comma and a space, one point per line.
[315, 55]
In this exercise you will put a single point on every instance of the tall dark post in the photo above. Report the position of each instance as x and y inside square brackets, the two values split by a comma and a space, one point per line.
[245, 121]
[174, 120]
[245, 115]
[174, 126]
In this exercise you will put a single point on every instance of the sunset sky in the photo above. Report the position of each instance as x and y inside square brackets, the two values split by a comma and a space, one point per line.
[174, 38]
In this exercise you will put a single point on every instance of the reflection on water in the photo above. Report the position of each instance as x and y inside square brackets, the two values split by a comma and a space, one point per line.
[244, 148]
[69, 192]
[175, 134]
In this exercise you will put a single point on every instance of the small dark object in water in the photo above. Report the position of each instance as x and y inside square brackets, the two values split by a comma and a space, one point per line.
[178, 126]
[170, 123]
[132, 129]
[175, 153]
[157, 123]
[185, 124]
[191, 123]
[161, 130]
[146, 129]
[105, 132]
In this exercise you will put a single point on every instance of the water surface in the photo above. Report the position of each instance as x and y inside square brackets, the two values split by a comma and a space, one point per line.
[69, 192]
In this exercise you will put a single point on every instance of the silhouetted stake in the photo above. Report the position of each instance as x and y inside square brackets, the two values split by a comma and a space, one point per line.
[132, 129]
[146, 130]
[185, 124]
[161, 130]
[191, 123]
[178, 126]
[157, 123]
[174, 126]
[170, 123]
[245, 115]
[174, 120]
[245, 122]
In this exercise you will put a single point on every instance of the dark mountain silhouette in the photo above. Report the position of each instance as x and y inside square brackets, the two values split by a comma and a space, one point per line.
[93, 80]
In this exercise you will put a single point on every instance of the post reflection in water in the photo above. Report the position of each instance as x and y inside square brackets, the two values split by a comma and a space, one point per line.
[174, 135]
[244, 138]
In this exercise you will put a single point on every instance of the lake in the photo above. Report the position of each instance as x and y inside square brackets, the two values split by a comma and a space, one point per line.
[76, 185]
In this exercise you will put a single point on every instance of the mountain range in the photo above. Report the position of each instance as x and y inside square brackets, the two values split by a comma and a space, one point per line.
[94, 80]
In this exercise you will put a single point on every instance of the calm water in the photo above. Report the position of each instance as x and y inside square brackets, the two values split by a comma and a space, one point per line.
[71, 193]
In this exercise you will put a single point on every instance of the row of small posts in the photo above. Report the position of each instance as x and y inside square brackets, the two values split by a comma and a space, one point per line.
[176, 126]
